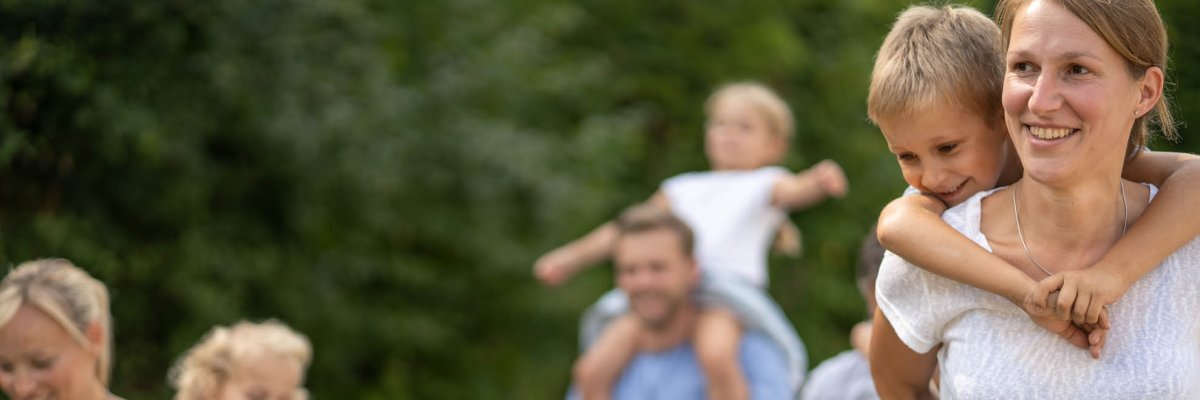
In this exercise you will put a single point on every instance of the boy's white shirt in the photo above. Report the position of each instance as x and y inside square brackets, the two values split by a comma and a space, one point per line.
[991, 350]
[732, 217]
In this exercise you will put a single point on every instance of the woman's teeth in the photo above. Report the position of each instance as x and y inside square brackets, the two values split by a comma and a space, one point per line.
[1050, 133]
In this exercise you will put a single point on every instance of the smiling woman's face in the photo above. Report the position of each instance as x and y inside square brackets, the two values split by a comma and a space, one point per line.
[41, 360]
[1069, 98]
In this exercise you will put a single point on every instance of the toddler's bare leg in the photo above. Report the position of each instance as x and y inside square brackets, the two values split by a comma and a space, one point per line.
[717, 336]
[598, 369]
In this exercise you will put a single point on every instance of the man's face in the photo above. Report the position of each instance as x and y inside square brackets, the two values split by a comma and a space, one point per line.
[656, 273]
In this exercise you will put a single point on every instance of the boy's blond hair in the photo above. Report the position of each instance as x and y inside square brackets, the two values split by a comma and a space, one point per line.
[934, 57]
[763, 99]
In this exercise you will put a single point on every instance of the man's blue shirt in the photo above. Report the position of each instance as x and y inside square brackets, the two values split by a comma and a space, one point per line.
[675, 373]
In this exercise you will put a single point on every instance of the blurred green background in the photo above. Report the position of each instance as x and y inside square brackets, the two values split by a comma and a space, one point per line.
[381, 175]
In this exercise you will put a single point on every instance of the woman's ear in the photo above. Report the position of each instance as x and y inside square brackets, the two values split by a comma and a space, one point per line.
[95, 336]
[1150, 90]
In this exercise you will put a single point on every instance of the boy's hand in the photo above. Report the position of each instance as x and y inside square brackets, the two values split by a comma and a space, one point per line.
[831, 178]
[554, 268]
[1083, 295]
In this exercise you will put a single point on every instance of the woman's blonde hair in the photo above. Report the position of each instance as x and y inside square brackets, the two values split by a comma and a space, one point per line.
[207, 366]
[762, 98]
[68, 295]
[1131, 27]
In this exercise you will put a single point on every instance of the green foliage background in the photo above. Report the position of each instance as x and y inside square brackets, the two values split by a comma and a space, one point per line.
[381, 175]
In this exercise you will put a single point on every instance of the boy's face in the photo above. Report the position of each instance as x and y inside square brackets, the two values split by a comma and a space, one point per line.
[948, 151]
[738, 137]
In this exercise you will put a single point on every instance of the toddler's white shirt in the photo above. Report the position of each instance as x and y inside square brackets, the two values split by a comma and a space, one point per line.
[731, 214]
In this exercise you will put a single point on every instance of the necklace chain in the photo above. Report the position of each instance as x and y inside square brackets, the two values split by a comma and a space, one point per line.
[1021, 236]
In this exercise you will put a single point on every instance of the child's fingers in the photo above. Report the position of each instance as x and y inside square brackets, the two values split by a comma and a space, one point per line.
[1043, 290]
[1079, 311]
[1066, 300]
[1104, 322]
[832, 178]
[1095, 309]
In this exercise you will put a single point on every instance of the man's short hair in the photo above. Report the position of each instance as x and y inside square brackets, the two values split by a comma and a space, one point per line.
[646, 217]
[937, 56]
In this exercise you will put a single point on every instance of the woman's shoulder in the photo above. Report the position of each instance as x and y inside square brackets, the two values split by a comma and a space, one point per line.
[966, 217]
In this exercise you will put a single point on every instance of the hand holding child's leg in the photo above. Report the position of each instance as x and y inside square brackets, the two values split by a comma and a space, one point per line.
[718, 334]
[597, 370]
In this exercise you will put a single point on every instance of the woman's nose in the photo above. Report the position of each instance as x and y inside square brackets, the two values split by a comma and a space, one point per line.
[1046, 97]
[23, 385]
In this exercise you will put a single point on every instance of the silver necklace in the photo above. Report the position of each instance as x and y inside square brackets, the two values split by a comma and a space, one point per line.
[1017, 215]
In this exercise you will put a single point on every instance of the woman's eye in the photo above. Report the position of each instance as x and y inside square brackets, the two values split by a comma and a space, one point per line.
[1077, 69]
[43, 363]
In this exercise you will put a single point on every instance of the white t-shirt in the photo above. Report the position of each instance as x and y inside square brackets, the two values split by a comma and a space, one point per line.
[731, 214]
[991, 350]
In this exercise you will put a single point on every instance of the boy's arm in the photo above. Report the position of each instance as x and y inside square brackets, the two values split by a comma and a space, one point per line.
[1167, 224]
[908, 226]
[562, 263]
[912, 227]
[810, 186]
[898, 371]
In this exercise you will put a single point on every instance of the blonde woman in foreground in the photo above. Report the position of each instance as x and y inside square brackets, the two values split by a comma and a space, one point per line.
[55, 333]
[247, 361]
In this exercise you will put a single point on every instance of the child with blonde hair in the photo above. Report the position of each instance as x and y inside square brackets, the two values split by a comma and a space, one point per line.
[245, 361]
[734, 209]
[936, 96]
[55, 333]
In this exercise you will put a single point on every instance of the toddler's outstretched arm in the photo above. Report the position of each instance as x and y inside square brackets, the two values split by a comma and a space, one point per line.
[1166, 225]
[808, 187]
[560, 264]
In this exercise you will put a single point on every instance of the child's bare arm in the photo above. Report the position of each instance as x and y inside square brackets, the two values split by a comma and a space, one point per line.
[1166, 225]
[810, 186]
[912, 227]
[908, 226]
[560, 264]
[598, 369]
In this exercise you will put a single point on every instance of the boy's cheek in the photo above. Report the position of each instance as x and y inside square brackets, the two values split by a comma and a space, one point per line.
[912, 178]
